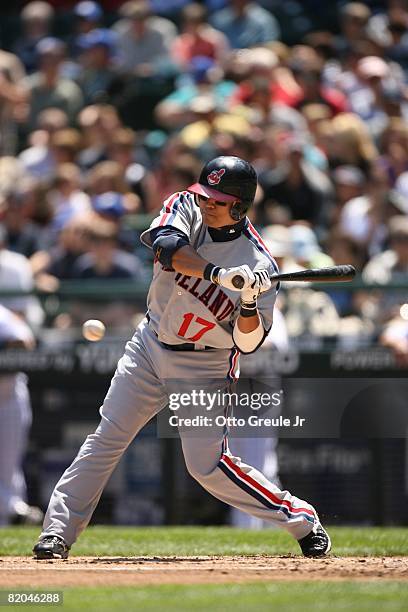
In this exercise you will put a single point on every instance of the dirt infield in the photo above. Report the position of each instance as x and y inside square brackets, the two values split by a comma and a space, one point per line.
[115, 571]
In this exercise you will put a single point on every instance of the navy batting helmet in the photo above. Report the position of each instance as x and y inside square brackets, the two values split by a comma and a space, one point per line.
[228, 179]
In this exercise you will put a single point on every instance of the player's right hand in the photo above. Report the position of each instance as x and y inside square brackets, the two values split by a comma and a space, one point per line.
[262, 283]
[225, 275]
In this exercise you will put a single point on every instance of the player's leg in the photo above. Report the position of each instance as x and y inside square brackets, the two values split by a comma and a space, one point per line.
[15, 418]
[236, 483]
[134, 397]
[242, 486]
[261, 453]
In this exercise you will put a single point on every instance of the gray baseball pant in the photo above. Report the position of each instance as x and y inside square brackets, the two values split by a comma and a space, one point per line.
[138, 391]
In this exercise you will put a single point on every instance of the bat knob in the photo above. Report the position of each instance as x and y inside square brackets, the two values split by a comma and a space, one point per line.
[238, 281]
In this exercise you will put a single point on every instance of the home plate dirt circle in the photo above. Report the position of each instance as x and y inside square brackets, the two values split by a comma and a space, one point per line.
[94, 571]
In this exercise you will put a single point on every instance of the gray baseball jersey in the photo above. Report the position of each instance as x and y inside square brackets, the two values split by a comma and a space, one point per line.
[184, 308]
[181, 310]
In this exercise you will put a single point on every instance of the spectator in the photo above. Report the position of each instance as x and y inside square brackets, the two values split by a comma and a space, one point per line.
[103, 259]
[112, 197]
[299, 186]
[107, 176]
[392, 264]
[198, 38]
[23, 235]
[35, 207]
[315, 114]
[373, 86]
[88, 249]
[27, 216]
[38, 159]
[140, 179]
[351, 144]
[11, 173]
[144, 41]
[206, 79]
[311, 317]
[260, 85]
[246, 24]
[349, 183]
[306, 250]
[397, 50]
[354, 17]
[122, 146]
[373, 73]
[209, 130]
[65, 145]
[388, 266]
[36, 18]
[66, 195]
[13, 101]
[278, 239]
[168, 7]
[364, 217]
[47, 88]
[182, 168]
[398, 197]
[342, 248]
[394, 149]
[97, 50]
[98, 123]
[88, 15]
[115, 207]
[308, 71]
[174, 151]
[57, 263]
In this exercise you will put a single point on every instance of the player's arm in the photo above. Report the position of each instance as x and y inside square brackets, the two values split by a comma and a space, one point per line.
[187, 261]
[173, 250]
[249, 329]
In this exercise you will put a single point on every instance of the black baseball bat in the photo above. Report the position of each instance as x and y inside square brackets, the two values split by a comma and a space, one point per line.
[334, 274]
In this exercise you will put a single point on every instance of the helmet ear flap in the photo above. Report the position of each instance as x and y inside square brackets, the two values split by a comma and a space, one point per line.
[238, 210]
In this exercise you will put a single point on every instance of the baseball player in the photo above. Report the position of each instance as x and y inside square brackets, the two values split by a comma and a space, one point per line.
[15, 416]
[196, 325]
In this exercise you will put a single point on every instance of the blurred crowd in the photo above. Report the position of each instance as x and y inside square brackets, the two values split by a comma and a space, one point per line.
[100, 123]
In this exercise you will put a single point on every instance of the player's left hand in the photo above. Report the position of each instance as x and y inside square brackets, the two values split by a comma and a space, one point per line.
[261, 284]
[225, 276]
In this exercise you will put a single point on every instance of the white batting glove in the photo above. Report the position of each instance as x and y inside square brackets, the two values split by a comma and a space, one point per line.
[224, 276]
[261, 284]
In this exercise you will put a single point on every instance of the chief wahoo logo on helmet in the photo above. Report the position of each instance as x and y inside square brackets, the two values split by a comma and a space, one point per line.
[215, 176]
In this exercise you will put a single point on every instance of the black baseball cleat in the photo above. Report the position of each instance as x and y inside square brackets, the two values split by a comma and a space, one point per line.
[51, 547]
[317, 543]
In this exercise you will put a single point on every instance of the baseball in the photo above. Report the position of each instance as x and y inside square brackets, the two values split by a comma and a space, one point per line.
[93, 330]
[404, 312]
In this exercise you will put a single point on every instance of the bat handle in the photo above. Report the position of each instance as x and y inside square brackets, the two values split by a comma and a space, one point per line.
[238, 281]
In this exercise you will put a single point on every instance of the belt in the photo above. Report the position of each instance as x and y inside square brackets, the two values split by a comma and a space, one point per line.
[186, 346]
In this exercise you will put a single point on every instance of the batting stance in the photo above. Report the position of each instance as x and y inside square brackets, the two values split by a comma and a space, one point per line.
[196, 325]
